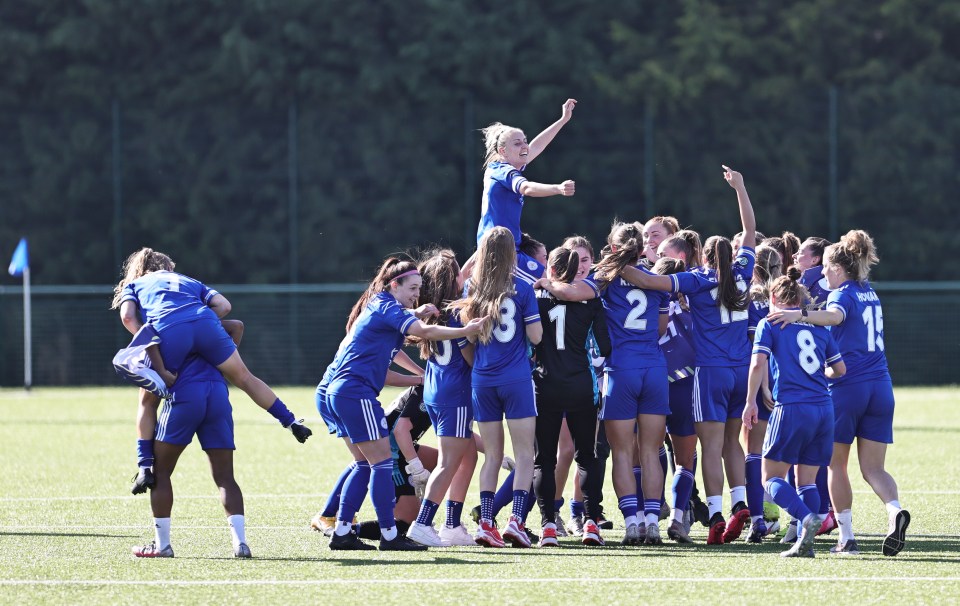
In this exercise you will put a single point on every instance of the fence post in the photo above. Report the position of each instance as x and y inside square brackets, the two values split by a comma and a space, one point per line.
[834, 227]
[469, 175]
[648, 162]
[293, 177]
[115, 168]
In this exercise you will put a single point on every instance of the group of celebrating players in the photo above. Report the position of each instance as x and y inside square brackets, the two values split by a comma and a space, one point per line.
[767, 352]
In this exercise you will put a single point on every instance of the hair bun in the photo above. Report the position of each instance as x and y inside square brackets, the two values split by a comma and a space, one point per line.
[794, 273]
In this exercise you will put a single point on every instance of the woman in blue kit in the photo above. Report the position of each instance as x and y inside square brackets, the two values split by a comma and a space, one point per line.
[863, 398]
[505, 187]
[717, 295]
[502, 380]
[379, 323]
[801, 427]
[186, 313]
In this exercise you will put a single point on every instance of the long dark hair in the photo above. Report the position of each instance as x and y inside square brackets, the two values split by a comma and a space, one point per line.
[718, 254]
[439, 271]
[627, 239]
[564, 264]
[391, 269]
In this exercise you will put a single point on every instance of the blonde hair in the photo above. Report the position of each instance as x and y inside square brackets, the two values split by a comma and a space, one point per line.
[769, 267]
[669, 223]
[492, 280]
[493, 140]
[787, 289]
[137, 265]
[855, 254]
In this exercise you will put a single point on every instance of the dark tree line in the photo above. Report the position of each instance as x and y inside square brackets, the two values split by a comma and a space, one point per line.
[303, 140]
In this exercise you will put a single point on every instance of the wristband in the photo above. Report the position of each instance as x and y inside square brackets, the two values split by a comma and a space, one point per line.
[803, 312]
[280, 412]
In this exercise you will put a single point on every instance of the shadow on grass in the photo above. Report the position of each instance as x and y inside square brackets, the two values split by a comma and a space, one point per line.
[439, 560]
[68, 534]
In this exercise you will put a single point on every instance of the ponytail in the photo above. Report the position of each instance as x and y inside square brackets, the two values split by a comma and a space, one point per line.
[718, 254]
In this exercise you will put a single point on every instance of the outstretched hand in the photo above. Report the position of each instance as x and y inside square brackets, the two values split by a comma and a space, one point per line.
[734, 178]
[475, 326]
[567, 188]
[783, 317]
[567, 110]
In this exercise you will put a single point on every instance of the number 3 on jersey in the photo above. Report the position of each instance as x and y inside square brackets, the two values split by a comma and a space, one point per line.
[507, 327]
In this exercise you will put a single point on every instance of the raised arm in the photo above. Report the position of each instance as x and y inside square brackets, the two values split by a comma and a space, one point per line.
[532, 189]
[649, 281]
[541, 141]
[432, 332]
[747, 217]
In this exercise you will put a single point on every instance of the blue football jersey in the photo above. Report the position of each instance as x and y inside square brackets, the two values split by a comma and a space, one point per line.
[817, 285]
[633, 320]
[196, 369]
[365, 355]
[860, 335]
[797, 355]
[447, 378]
[757, 311]
[719, 335]
[505, 359]
[167, 298]
[677, 344]
[502, 201]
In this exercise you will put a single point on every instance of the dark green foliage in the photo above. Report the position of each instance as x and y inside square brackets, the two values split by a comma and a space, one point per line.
[387, 98]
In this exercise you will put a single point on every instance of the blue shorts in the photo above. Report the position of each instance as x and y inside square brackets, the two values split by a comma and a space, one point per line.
[451, 421]
[680, 419]
[328, 416]
[863, 410]
[204, 336]
[635, 391]
[800, 434]
[201, 408]
[513, 401]
[719, 393]
[360, 419]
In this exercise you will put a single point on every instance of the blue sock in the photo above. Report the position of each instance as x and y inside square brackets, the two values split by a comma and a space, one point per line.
[754, 475]
[810, 497]
[638, 476]
[664, 466]
[454, 511]
[333, 501]
[486, 504]
[787, 498]
[280, 412]
[504, 495]
[576, 508]
[354, 492]
[682, 488]
[428, 509]
[628, 506]
[382, 492]
[824, 490]
[520, 504]
[144, 453]
[651, 507]
[531, 501]
[557, 504]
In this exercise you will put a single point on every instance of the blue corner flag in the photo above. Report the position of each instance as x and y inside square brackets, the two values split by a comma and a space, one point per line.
[20, 259]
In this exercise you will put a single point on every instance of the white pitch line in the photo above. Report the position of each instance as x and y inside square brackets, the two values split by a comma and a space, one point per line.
[460, 580]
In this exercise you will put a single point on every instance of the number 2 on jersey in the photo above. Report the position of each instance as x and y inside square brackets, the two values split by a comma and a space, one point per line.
[639, 300]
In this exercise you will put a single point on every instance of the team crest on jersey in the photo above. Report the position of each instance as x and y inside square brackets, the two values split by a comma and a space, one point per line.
[383, 423]
[532, 265]
[423, 407]
[742, 261]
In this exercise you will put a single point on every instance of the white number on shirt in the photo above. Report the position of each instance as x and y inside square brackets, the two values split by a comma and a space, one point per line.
[559, 315]
[725, 314]
[639, 299]
[873, 319]
[444, 353]
[174, 282]
[508, 326]
[808, 352]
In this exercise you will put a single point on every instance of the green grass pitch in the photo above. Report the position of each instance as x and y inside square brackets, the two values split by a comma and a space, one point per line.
[68, 521]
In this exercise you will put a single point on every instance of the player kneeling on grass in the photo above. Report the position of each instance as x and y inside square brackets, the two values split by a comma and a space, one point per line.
[198, 405]
[800, 430]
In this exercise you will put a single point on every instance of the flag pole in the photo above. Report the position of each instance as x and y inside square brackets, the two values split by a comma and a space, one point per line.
[27, 330]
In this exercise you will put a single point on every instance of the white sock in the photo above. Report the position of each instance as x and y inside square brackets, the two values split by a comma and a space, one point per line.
[893, 507]
[652, 518]
[676, 516]
[715, 504]
[236, 523]
[342, 528]
[161, 528]
[738, 494]
[628, 520]
[755, 519]
[389, 534]
[845, 521]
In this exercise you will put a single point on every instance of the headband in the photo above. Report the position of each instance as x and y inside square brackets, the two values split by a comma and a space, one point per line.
[412, 272]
